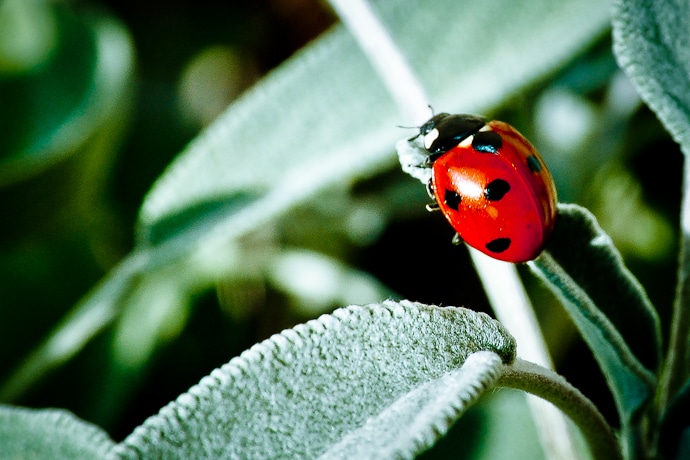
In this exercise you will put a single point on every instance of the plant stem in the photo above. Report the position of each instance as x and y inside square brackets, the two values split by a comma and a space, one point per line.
[542, 382]
[514, 310]
[678, 358]
[386, 58]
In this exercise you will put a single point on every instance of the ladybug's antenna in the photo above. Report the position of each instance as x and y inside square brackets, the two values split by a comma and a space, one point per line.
[417, 127]
[419, 131]
[431, 108]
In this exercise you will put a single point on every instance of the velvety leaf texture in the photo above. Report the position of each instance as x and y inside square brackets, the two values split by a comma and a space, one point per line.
[582, 248]
[49, 434]
[607, 304]
[652, 44]
[422, 415]
[332, 380]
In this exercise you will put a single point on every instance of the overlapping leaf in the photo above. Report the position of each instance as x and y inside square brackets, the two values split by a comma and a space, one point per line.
[382, 381]
[652, 45]
[55, 434]
[608, 305]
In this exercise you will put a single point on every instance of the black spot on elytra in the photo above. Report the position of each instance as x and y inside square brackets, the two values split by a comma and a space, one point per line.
[452, 199]
[498, 245]
[487, 142]
[534, 164]
[496, 189]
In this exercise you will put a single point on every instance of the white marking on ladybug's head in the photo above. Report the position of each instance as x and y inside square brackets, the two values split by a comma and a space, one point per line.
[485, 128]
[430, 137]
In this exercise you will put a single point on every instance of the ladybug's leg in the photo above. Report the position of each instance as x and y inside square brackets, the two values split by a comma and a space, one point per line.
[430, 190]
[413, 137]
[457, 239]
[431, 158]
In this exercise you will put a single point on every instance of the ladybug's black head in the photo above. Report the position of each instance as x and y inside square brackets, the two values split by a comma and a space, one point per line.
[430, 125]
[444, 131]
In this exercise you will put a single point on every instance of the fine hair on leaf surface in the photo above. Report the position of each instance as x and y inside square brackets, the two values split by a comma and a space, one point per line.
[300, 392]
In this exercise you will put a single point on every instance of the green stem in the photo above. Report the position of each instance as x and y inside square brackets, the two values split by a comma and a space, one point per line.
[676, 368]
[546, 384]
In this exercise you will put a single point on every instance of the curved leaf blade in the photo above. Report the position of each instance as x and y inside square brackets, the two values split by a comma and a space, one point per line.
[50, 433]
[608, 305]
[545, 383]
[425, 413]
[307, 389]
[652, 44]
[587, 254]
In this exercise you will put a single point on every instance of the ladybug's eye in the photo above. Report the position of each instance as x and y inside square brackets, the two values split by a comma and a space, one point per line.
[426, 127]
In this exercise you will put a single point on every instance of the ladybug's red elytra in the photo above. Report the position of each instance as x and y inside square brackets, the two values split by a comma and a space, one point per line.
[491, 185]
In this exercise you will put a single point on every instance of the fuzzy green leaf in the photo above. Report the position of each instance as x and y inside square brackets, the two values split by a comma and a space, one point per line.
[49, 433]
[325, 387]
[652, 44]
[416, 420]
[607, 304]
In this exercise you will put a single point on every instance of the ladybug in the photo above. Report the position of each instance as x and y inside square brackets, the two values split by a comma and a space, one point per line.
[491, 185]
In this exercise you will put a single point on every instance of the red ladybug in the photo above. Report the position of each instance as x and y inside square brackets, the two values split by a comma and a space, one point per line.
[491, 184]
